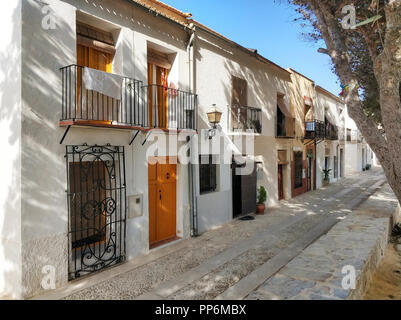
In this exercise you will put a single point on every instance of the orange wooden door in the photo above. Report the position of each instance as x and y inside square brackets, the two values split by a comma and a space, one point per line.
[91, 58]
[162, 201]
[158, 96]
[153, 203]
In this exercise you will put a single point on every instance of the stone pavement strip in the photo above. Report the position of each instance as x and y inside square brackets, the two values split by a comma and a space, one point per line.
[220, 262]
[358, 241]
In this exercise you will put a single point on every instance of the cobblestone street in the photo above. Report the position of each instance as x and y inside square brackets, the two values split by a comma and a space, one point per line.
[236, 259]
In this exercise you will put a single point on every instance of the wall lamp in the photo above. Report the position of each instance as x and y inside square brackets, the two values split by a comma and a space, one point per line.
[214, 117]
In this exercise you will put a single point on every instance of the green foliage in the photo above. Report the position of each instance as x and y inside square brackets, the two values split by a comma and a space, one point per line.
[326, 173]
[262, 197]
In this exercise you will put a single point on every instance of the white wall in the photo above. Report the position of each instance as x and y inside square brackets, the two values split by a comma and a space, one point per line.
[10, 142]
[330, 108]
[216, 61]
[44, 181]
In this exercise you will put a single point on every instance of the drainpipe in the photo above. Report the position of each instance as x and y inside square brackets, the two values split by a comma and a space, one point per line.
[191, 167]
[314, 110]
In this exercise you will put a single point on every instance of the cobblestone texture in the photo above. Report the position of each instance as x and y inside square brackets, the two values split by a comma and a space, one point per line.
[312, 267]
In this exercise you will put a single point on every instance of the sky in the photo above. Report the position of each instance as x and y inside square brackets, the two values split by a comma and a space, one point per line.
[269, 27]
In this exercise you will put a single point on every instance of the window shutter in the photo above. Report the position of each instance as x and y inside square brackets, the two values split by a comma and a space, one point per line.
[239, 94]
[94, 38]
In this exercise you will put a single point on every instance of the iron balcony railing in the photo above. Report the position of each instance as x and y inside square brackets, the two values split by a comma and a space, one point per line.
[314, 129]
[246, 118]
[331, 131]
[169, 108]
[130, 103]
[80, 103]
[285, 128]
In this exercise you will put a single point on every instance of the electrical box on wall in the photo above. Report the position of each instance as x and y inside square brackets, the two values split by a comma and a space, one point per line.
[135, 206]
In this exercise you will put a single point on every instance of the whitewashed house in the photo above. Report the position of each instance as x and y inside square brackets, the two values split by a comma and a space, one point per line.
[245, 87]
[103, 104]
[333, 156]
[89, 87]
[359, 154]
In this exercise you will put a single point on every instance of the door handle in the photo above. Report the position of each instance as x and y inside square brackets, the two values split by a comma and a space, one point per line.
[160, 194]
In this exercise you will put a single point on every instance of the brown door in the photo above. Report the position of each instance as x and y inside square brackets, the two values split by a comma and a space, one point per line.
[94, 59]
[158, 96]
[89, 224]
[309, 172]
[280, 183]
[162, 200]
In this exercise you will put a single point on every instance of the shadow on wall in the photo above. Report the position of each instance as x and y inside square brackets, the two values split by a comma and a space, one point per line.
[44, 181]
[10, 124]
[43, 169]
[262, 93]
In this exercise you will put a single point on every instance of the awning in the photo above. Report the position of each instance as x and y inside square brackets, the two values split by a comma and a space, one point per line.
[283, 107]
[331, 116]
[308, 101]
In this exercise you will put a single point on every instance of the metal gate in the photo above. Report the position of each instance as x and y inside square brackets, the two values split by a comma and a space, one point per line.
[97, 208]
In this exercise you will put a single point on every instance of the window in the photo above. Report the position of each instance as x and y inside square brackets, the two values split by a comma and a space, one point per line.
[298, 168]
[207, 174]
[239, 94]
[349, 135]
[281, 128]
[239, 102]
[327, 163]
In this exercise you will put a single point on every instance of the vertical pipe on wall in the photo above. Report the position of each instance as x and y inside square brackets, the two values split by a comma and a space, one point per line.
[191, 174]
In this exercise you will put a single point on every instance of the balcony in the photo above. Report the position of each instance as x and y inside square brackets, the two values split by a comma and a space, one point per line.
[331, 131]
[169, 108]
[314, 130]
[99, 99]
[246, 118]
[285, 127]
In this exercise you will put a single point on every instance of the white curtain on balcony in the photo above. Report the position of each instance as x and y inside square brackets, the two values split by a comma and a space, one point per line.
[103, 82]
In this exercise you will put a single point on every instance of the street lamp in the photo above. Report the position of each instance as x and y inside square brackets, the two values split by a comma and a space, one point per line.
[214, 117]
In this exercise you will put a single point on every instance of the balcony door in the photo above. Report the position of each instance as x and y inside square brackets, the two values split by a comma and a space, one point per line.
[92, 58]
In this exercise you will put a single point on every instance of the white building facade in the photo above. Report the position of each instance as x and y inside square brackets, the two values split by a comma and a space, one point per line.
[108, 150]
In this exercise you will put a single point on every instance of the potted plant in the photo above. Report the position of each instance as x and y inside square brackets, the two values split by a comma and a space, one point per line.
[262, 196]
[326, 179]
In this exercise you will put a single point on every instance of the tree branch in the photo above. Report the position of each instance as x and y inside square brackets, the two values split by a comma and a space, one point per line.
[324, 51]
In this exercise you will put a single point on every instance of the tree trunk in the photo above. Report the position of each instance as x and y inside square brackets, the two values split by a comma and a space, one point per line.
[388, 73]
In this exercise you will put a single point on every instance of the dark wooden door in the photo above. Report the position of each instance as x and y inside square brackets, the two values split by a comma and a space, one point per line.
[244, 191]
[280, 182]
[309, 172]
